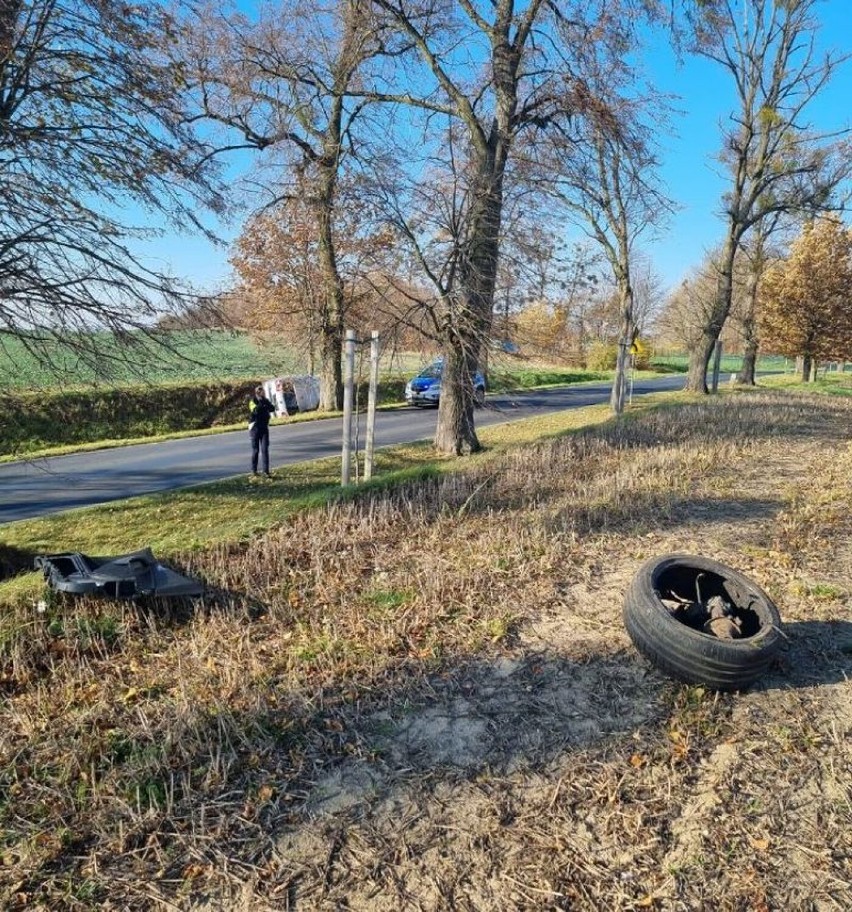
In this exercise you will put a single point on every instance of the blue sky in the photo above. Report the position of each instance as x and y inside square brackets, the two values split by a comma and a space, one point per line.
[693, 177]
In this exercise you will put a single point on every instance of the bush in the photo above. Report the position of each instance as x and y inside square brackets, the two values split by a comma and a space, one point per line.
[601, 356]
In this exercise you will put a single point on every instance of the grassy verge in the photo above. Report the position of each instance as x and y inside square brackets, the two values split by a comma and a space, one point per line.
[421, 689]
[238, 508]
[833, 384]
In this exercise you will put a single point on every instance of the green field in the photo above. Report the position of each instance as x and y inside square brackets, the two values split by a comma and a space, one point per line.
[163, 358]
[729, 364]
[212, 355]
[192, 381]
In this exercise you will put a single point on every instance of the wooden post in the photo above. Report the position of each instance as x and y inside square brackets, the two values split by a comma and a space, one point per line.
[717, 362]
[348, 396]
[371, 405]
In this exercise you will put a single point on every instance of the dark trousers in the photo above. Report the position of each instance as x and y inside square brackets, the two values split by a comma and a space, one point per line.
[259, 446]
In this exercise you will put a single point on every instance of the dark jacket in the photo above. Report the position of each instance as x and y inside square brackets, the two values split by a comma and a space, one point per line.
[260, 411]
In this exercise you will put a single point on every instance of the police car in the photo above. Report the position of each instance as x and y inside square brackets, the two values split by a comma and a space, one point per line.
[425, 388]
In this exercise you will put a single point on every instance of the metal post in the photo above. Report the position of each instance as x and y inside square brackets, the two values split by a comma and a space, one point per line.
[717, 361]
[371, 405]
[348, 396]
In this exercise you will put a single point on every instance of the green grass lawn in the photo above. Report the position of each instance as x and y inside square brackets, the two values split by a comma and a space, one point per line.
[238, 508]
[830, 384]
[729, 364]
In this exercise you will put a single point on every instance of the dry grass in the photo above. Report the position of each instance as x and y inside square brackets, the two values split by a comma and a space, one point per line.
[425, 698]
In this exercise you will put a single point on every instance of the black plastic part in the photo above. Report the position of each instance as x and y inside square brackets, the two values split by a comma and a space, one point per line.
[126, 576]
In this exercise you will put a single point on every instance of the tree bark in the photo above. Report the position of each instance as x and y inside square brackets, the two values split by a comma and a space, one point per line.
[749, 320]
[616, 400]
[699, 357]
[456, 433]
[332, 322]
[806, 368]
[470, 317]
[334, 309]
[746, 373]
[10, 11]
[471, 314]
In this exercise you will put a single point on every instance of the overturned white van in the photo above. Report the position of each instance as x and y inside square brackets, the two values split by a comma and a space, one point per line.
[293, 394]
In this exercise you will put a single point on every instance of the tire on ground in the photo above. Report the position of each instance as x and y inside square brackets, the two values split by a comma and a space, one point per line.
[688, 654]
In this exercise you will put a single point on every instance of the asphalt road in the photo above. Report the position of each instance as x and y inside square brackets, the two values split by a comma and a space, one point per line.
[47, 485]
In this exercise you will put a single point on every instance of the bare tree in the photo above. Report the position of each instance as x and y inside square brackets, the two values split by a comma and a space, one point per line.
[484, 102]
[648, 294]
[605, 173]
[689, 306]
[281, 84]
[91, 135]
[776, 163]
[491, 72]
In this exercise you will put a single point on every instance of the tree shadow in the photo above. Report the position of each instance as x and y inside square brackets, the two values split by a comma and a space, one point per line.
[527, 711]
[661, 512]
[342, 760]
[14, 560]
[815, 653]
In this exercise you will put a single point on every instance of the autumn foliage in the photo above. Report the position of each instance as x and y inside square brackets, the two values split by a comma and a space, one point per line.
[806, 299]
[281, 289]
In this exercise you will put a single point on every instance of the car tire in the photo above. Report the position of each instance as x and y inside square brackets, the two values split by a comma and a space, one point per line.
[689, 654]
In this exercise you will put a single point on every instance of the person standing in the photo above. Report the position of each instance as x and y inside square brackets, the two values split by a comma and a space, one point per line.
[260, 411]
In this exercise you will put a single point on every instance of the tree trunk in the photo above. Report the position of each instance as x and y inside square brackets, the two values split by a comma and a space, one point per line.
[10, 11]
[747, 370]
[806, 368]
[468, 331]
[619, 386]
[470, 313]
[456, 433]
[749, 320]
[470, 292]
[332, 322]
[699, 358]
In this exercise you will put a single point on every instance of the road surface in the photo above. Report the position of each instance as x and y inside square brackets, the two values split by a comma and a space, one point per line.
[38, 487]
